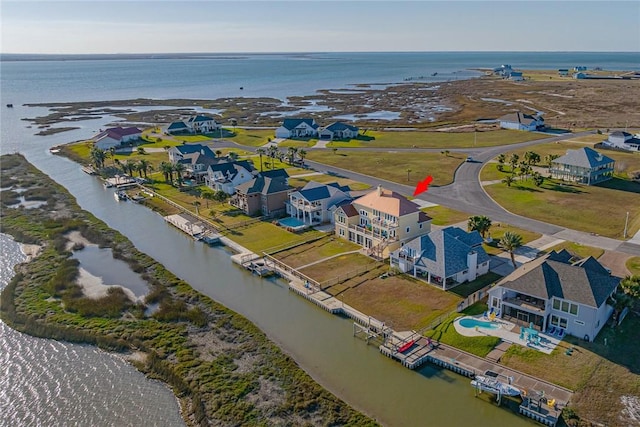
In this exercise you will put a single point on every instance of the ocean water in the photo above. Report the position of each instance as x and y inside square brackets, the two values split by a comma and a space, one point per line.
[35, 386]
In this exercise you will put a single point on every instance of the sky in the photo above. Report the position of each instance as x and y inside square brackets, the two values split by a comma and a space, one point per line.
[88, 26]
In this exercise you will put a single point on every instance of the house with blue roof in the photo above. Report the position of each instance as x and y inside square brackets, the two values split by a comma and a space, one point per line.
[194, 124]
[316, 203]
[339, 130]
[584, 165]
[446, 257]
[225, 175]
[297, 128]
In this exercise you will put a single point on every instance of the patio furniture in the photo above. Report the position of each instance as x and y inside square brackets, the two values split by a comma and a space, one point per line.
[561, 333]
[552, 330]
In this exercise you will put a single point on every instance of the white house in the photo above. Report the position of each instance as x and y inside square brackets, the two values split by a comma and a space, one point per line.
[622, 140]
[227, 175]
[550, 292]
[297, 128]
[194, 124]
[339, 130]
[116, 137]
[522, 121]
[380, 221]
[447, 257]
[316, 203]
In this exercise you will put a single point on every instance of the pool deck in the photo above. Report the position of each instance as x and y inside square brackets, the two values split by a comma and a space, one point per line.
[508, 332]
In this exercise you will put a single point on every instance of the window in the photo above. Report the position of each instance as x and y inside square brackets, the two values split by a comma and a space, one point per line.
[573, 309]
[420, 226]
[342, 232]
[558, 321]
[565, 306]
[556, 304]
[408, 229]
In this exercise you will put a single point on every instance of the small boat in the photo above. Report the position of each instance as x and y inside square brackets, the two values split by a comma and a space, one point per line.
[241, 88]
[406, 346]
[107, 184]
[9, 105]
[434, 74]
[120, 195]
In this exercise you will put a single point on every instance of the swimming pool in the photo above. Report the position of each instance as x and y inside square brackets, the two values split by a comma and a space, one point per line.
[294, 223]
[471, 323]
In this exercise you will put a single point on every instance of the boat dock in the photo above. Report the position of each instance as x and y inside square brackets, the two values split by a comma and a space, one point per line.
[193, 227]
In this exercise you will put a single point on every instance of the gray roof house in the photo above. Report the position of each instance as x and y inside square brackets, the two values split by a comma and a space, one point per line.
[315, 203]
[446, 257]
[522, 121]
[297, 128]
[584, 165]
[194, 124]
[262, 196]
[339, 130]
[225, 175]
[551, 293]
[622, 140]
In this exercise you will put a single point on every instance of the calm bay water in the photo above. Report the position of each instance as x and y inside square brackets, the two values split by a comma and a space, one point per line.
[35, 388]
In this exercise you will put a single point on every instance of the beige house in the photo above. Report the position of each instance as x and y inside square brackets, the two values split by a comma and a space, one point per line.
[380, 221]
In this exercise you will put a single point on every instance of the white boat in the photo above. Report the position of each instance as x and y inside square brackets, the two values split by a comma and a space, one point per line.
[120, 195]
[495, 386]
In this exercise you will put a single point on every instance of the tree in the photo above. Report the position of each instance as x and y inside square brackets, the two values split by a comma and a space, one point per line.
[207, 195]
[538, 179]
[141, 151]
[234, 123]
[220, 196]
[445, 152]
[273, 153]
[97, 157]
[233, 155]
[479, 223]
[302, 153]
[219, 153]
[531, 158]
[513, 161]
[260, 152]
[501, 159]
[112, 153]
[408, 175]
[130, 166]
[179, 169]
[197, 204]
[335, 150]
[167, 170]
[630, 285]
[550, 158]
[510, 242]
[118, 164]
[143, 167]
[291, 154]
[508, 180]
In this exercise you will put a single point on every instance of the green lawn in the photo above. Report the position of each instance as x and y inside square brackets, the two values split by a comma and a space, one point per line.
[298, 144]
[434, 139]
[393, 166]
[497, 230]
[447, 334]
[466, 289]
[326, 179]
[557, 203]
[315, 251]
[252, 137]
[633, 265]
[262, 236]
[442, 215]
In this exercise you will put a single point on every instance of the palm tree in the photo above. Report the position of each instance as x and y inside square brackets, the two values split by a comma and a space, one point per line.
[538, 179]
[631, 286]
[97, 157]
[197, 204]
[112, 152]
[291, 154]
[445, 152]
[143, 167]
[233, 155]
[260, 152]
[550, 158]
[179, 169]
[141, 151]
[302, 153]
[219, 153]
[207, 194]
[167, 170]
[479, 223]
[508, 180]
[513, 161]
[118, 163]
[130, 166]
[510, 242]
[532, 158]
[501, 159]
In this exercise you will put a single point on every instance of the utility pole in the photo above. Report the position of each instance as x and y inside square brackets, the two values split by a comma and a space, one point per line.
[626, 223]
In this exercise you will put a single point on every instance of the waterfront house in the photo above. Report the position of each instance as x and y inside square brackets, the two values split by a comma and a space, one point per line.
[522, 121]
[516, 76]
[225, 175]
[446, 257]
[622, 140]
[338, 130]
[584, 165]
[116, 137]
[552, 292]
[564, 72]
[262, 195]
[297, 128]
[195, 157]
[504, 70]
[383, 221]
[315, 203]
[194, 124]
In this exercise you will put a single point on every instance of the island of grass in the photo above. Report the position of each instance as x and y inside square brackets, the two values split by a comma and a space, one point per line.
[222, 368]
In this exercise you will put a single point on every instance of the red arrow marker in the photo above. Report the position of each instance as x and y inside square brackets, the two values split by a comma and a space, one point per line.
[423, 186]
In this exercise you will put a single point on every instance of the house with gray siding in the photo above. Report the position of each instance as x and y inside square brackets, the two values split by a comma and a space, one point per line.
[522, 121]
[623, 141]
[297, 128]
[551, 292]
[446, 257]
[584, 165]
[315, 203]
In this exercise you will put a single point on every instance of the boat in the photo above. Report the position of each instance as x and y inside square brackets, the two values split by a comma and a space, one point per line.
[107, 184]
[495, 386]
[434, 74]
[9, 105]
[406, 346]
[89, 170]
[120, 195]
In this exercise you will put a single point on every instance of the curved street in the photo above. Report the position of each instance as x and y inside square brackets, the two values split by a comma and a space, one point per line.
[467, 195]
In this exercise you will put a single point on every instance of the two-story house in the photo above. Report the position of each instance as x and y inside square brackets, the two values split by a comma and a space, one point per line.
[623, 141]
[315, 203]
[446, 257]
[195, 124]
[226, 175]
[584, 165]
[265, 195]
[522, 121]
[384, 220]
[550, 292]
[297, 128]
[195, 157]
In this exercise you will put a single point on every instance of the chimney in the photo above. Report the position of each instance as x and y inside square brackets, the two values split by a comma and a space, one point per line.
[379, 190]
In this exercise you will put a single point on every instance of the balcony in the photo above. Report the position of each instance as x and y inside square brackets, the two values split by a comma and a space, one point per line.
[370, 232]
[525, 302]
[379, 222]
[303, 206]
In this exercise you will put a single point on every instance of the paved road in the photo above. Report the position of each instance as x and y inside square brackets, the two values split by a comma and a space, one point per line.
[467, 195]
